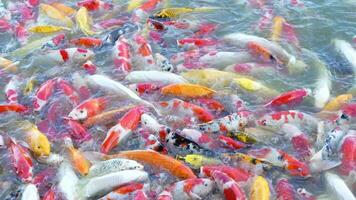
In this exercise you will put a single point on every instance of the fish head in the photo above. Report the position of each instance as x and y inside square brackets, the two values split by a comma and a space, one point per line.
[82, 55]
[297, 168]
[147, 121]
[203, 187]
[40, 145]
[268, 122]
[131, 164]
[78, 113]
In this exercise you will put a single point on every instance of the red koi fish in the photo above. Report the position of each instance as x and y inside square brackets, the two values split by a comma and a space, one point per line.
[88, 42]
[122, 55]
[122, 129]
[236, 173]
[95, 5]
[211, 104]
[285, 190]
[90, 67]
[293, 97]
[69, 91]
[88, 108]
[300, 141]
[78, 131]
[196, 42]
[21, 160]
[233, 144]
[143, 53]
[348, 157]
[144, 88]
[228, 186]
[14, 107]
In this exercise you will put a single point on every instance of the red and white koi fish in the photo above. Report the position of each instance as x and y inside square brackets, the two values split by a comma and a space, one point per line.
[346, 114]
[123, 192]
[265, 20]
[11, 90]
[274, 121]
[250, 68]
[205, 29]
[280, 158]
[229, 123]
[122, 129]
[144, 88]
[122, 55]
[71, 55]
[202, 139]
[152, 142]
[293, 97]
[142, 12]
[88, 108]
[211, 104]
[284, 190]
[348, 155]
[21, 160]
[110, 23]
[228, 186]
[56, 41]
[90, 67]
[5, 25]
[95, 5]
[233, 144]
[157, 38]
[300, 141]
[180, 107]
[195, 188]
[68, 90]
[140, 195]
[81, 86]
[236, 173]
[143, 53]
[43, 93]
[191, 43]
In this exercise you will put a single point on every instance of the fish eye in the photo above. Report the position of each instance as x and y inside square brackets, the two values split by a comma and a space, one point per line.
[81, 111]
[206, 185]
[264, 122]
[343, 116]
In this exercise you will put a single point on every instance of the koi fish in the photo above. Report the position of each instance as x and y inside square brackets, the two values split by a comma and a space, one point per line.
[277, 28]
[114, 35]
[68, 90]
[196, 43]
[229, 123]
[113, 165]
[293, 97]
[122, 55]
[95, 5]
[13, 107]
[48, 29]
[248, 159]
[8, 65]
[133, 4]
[66, 10]
[242, 40]
[231, 143]
[242, 137]
[55, 14]
[67, 183]
[222, 59]
[143, 53]
[195, 188]
[274, 121]
[108, 182]
[30, 192]
[345, 49]
[337, 103]
[144, 88]
[121, 131]
[165, 195]
[163, 63]
[256, 87]
[105, 117]
[84, 21]
[236, 173]
[156, 159]
[197, 161]
[154, 77]
[79, 162]
[29, 47]
[337, 187]
[282, 159]
[123, 191]
[69, 55]
[186, 90]
[260, 189]
[37, 141]
[202, 139]
[43, 93]
[77, 131]
[186, 109]
[211, 104]
[88, 108]
[12, 90]
[228, 186]
[348, 150]
[88, 42]
[21, 160]
[177, 12]
[300, 142]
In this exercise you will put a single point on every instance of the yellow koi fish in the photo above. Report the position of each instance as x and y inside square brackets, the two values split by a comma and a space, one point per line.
[37, 141]
[242, 137]
[253, 86]
[336, 103]
[29, 86]
[260, 189]
[30, 47]
[8, 65]
[47, 29]
[66, 10]
[277, 27]
[53, 13]
[197, 161]
[133, 4]
[84, 21]
[176, 12]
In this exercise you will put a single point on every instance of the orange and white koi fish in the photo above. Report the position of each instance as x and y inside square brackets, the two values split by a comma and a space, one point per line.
[79, 162]
[155, 159]
[88, 108]
[121, 131]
